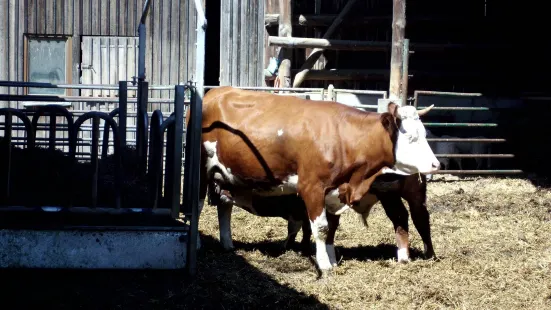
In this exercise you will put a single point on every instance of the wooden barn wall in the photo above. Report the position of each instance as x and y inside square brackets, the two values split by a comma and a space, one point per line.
[242, 43]
[171, 36]
[494, 69]
[170, 49]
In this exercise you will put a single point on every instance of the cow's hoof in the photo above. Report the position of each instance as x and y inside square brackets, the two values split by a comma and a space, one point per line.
[326, 273]
[404, 260]
[306, 249]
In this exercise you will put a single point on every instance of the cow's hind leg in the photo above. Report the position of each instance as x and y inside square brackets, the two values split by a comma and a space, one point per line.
[293, 227]
[224, 208]
[398, 214]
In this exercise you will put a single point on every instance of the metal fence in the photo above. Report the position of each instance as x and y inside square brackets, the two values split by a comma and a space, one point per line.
[165, 142]
[465, 140]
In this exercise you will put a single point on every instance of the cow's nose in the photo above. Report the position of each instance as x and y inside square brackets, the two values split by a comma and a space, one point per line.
[436, 165]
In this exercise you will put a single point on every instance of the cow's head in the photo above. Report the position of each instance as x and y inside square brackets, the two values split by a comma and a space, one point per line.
[412, 151]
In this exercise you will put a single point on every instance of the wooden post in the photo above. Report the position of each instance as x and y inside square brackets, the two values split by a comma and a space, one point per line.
[316, 53]
[396, 56]
[285, 30]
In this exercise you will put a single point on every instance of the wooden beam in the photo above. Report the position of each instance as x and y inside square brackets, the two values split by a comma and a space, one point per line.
[324, 20]
[397, 49]
[353, 45]
[379, 74]
[316, 53]
[296, 42]
[285, 54]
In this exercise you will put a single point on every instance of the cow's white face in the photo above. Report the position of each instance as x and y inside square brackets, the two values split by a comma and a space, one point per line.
[413, 153]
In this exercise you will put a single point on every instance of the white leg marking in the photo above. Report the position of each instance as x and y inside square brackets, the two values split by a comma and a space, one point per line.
[403, 255]
[224, 223]
[280, 132]
[331, 253]
[319, 231]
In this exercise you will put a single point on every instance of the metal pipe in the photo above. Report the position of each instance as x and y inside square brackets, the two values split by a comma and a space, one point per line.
[79, 86]
[461, 124]
[513, 171]
[46, 98]
[442, 93]
[361, 92]
[465, 140]
[458, 108]
[271, 88]
[475, 155]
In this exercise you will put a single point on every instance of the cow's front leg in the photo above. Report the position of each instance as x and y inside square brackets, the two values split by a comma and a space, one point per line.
[315, 205]
[398, 214]
[306, 235]
[417, 201]
[333, 221]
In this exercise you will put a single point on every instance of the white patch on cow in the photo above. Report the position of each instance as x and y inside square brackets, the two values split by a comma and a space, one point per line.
[333, 204]
[213, 161]
[331, 254]
[403, 255]
[280, 132]
[287, 187]
[413, 153]
[319, 231]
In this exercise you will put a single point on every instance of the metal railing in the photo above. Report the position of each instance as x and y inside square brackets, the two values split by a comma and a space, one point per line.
[173, 126]
[478, 140]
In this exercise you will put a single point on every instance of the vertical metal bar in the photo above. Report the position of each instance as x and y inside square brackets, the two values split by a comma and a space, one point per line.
[52, 131]
[141, 51]
[95, 163]
[169, 162]
[123, 102]
[405, 72]
[141, 123]
[7, 137]
[196, 113]
[177, 149]
[155, 157]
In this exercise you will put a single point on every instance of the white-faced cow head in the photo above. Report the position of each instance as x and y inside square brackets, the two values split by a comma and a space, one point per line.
[412, 151]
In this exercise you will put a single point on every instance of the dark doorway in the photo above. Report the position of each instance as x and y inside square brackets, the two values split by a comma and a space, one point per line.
[212, 44]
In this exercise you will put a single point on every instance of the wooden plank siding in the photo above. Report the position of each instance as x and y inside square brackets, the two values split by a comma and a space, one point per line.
[111, 29]
[170, 31]
[242, 43]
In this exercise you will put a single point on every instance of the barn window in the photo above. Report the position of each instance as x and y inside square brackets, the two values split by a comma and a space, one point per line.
[48, 60]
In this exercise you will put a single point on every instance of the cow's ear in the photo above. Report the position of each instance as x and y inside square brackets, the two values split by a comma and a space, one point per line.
[389, 121]
[393, 109]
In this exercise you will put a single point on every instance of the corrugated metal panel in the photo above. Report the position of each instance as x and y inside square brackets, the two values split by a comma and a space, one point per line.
[242, 43]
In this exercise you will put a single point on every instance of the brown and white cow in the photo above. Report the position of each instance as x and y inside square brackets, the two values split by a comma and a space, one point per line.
[387, 188]
[261, 144]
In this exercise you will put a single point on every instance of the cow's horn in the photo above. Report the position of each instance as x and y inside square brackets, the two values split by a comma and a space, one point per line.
[425, 110]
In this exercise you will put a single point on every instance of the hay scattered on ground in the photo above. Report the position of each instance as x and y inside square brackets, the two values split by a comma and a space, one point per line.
[492, 236]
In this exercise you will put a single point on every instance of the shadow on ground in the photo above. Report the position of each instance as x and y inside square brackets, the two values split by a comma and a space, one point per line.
[225, 280]
[383, 251]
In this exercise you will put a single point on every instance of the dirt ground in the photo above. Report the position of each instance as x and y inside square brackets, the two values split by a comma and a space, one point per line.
[492, 237]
